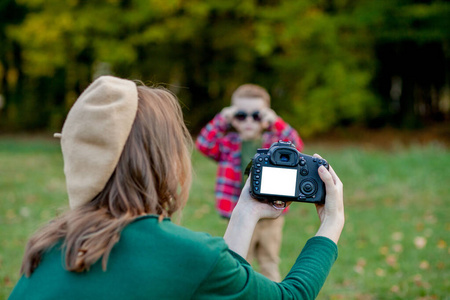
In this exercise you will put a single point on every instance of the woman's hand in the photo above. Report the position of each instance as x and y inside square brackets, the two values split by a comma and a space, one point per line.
[243, 220]
[253, 208]
[331, 214]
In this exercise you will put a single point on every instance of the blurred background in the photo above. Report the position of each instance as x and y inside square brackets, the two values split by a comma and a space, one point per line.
[365, 83]
[326, 63]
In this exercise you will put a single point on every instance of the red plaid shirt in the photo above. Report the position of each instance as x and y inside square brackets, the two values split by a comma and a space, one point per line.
[224, 147]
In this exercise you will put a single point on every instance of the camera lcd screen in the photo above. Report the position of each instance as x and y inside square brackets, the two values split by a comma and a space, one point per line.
[278, 181]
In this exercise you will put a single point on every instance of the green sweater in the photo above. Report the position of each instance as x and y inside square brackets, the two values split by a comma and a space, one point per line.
[161, 260]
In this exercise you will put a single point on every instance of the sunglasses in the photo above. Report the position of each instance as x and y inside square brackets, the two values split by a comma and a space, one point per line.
[242, 116]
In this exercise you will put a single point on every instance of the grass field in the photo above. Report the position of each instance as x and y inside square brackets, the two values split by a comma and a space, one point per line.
[395, 244]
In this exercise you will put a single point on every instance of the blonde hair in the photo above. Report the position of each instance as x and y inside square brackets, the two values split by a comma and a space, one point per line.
[251, 91]
[153, 176]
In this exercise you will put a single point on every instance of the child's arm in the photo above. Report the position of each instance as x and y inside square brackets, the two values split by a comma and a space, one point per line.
[210, 137]
[282, 130]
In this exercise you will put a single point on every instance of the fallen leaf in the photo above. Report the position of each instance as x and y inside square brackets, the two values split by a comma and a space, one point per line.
[420, 242]
[418, 280]
[25, 212]
[397, 236]
[359, 267]
[391, 260]
[395, 289]
[384, 250]
[398, 248]
[424, 265]
[7, 281]
[380, 272]
[419, 226]
[441, 244]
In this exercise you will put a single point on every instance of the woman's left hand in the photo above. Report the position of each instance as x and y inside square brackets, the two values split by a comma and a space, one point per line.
[246, 214]
[254, 208]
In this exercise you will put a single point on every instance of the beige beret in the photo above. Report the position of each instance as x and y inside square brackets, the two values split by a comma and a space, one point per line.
[94, 134]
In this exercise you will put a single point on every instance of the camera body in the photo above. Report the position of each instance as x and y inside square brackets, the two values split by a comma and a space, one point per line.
[282, 173]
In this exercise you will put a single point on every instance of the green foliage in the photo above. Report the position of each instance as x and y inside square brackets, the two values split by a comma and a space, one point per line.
[315, 57]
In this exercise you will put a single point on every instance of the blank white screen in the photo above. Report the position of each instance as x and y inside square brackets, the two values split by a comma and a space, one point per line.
[278, 181]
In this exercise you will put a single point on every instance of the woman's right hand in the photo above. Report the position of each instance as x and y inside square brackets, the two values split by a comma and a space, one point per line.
[331, 214]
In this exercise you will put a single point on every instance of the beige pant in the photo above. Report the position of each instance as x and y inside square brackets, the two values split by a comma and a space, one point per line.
[265, 247]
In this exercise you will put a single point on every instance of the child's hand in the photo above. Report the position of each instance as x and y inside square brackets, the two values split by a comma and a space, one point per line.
[228, 113]
[268, 117]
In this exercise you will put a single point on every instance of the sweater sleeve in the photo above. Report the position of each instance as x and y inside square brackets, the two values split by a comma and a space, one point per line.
[233, 278]
[208, 141]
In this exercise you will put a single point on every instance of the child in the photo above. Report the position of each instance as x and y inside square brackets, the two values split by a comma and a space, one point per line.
[249, 114]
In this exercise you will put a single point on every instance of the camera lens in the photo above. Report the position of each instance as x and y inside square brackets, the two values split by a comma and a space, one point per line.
[308, 187]
[284, 157]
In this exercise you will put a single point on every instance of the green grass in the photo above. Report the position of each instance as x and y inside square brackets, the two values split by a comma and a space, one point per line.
[395, 244]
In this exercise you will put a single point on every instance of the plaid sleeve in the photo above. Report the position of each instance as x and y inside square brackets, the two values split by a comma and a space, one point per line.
[210, 137]
[285, 132]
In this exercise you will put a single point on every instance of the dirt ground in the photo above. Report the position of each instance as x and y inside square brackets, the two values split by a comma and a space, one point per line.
[384, 138]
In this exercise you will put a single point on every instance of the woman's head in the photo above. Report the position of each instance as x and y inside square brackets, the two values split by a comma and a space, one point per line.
[126, 147]
[126, 153]
[153, 174]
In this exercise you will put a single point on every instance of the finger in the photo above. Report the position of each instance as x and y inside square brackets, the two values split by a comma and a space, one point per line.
[247, 184]
[326, 177]
[334, 175]
[270, 111]
[279, 204]
[263, 114]
[319, 208]
[330, 168]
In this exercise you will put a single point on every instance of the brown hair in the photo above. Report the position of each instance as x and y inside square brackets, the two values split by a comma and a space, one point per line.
[251, 91]
[153, 176]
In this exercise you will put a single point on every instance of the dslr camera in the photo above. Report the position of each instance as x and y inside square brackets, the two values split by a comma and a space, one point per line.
[282, 173]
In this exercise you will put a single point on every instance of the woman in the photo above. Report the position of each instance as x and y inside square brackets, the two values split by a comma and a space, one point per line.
[127, 164]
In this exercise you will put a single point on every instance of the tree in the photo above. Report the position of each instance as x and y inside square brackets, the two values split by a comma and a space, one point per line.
[322, 61]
